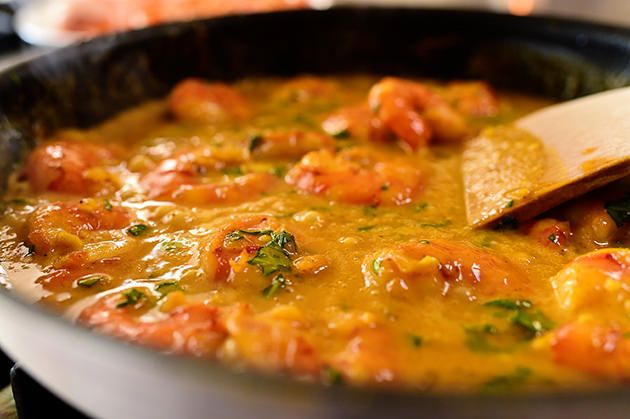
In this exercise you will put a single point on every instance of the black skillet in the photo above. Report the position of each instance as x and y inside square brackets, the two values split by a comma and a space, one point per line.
[84, 84]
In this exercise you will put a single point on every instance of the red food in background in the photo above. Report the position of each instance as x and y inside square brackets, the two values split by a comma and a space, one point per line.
[95, 18]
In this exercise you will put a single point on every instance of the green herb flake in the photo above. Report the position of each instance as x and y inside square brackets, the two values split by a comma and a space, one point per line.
[376, 266]
[333, 376]
[619, 210]
[420, 207]
[277, 283]
[255, 141]
[233, 171]
[553, 238]
[278, 171]
[167, 287]
[425, 242]
[509, 304]
[240, 234]
[436, 225]
[137, 230]
[384, 187]
[107, 205]
[170, 246]
[90, 281]
[363, 229]
[340, 133]
[415, 340]
[478, 339]
[508, 382]
[509, 204]
[369, 210]
[21, 202]
[535, 323]
[276, 255]
[131, 297]
[507, 223]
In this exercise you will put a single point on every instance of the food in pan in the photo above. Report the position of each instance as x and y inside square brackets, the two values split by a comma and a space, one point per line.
[315, 227]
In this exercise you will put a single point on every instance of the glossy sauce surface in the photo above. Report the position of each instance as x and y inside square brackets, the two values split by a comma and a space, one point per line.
[315, 227]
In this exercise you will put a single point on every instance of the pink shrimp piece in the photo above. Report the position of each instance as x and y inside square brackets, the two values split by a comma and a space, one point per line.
[181, 179]
[60, 227]
[596, 285]
[549, 232]
[357, 176]
[424, 267]
[60, 166]
[414, 113]
[474, 98]
[597, 349]
[190, 330]
[289, 144]
[357, 122]
[222, 254]
[198, 101]
[273, 341]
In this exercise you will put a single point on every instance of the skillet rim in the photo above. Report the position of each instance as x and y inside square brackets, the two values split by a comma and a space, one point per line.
[280, 384]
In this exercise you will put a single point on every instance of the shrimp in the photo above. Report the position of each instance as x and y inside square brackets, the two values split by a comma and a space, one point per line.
[230, 249]
[181, 179]
[549, 232]
[190, 329]
[592, 224]
[62, 226]
[61, 166]
[421, 267]
[304, 89]
[599, 280]
[356, 122]
[198, 101]
[596, 288]
[274, 341]
[357, 176]
[369, 356]
[288, 144]
[472, 98]
[414, 113]
[598, 349]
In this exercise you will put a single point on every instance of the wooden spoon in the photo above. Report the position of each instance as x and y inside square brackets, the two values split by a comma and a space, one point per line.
[512, 173]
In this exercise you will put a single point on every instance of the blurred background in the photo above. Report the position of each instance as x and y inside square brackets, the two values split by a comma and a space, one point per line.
[59, 22]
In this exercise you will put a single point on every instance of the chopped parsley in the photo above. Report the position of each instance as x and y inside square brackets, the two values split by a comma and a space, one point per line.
[483, 339]
[441, 224]
[553, 238]
[376, 266]
[509, 304]
[240, 234]
[340, 133]
[254, 142]
[507, 223]
[363, 229]
[233, 171]
[415, 340]
[170, 246]
[276, 255]
[420, 206]
[167, 287]
[619, 210]
[533, 322]
[137, 230]
[509, 204]
[107, 205]
[130, 297]
[333, 376]
[508, 382]
[278, 171]
[277, 283]
[90, 280]
[384, 187]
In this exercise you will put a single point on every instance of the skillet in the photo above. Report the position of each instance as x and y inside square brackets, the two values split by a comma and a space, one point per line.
[87, 83]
